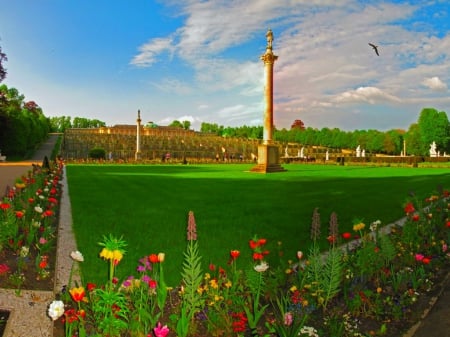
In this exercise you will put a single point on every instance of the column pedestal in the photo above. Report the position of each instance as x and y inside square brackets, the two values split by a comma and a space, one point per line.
[268, 160]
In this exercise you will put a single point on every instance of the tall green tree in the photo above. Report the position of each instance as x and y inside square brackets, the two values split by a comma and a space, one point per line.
[433, 127]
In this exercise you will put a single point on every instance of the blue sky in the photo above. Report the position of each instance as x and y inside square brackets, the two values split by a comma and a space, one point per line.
[200, 60]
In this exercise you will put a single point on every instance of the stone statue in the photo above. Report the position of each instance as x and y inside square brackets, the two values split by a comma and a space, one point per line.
[433, 152]
[269, 36]
[358, 151]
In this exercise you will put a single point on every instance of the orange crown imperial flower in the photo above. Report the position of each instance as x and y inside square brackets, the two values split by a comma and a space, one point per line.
[77, 294]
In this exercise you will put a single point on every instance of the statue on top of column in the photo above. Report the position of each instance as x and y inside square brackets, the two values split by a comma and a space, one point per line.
[269, 36]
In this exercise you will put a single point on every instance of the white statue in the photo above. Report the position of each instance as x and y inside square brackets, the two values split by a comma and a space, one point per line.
[433, 152]
[302, 155]
[358, 151]
[327, 156]
[363, 153]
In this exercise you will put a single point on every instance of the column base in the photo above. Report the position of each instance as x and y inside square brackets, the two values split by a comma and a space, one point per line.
[268, 160]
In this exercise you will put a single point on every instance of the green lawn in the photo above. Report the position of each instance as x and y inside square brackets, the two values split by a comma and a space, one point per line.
[149, 205]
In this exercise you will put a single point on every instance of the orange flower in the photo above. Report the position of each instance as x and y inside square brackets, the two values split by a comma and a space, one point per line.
[77, 294]
[20, 214]
[153, 258]
[43, 264]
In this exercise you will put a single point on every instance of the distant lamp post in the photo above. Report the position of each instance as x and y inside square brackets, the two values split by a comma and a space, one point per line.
[138, 137]
[184, 152]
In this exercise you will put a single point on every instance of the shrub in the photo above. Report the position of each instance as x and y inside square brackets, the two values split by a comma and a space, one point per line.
[97, 153]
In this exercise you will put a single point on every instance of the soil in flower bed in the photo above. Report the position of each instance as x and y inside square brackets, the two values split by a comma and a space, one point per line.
[4, 315]
[32, 281]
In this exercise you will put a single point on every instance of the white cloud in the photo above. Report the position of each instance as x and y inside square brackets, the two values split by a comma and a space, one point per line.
[173, 86]
[435, 83]
[369, 95]
[150, 50]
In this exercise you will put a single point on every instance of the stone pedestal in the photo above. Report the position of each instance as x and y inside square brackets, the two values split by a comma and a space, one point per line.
[268, 160]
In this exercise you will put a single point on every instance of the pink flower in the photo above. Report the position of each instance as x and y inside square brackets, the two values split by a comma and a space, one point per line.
[419, 257]
[161, 331]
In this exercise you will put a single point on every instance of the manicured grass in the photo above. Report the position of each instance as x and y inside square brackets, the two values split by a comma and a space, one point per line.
[149, 205]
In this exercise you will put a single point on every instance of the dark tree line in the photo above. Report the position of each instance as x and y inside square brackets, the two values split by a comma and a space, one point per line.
[23, 125]
[432, 126]
[60, 124]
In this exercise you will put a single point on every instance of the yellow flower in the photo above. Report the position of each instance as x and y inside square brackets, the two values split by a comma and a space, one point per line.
[293, 288]
[161, 257]
[207, 276]
[213, 284]
[358, 227]
[117, 255]
[228, 284]
[305, 303]
[106, 254]
[379, 290]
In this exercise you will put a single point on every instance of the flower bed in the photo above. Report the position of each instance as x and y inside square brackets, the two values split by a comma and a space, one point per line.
[28, 219]
[365, 284]
[377, 285]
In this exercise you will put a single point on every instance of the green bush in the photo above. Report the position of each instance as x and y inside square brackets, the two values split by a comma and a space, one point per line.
[97, 153]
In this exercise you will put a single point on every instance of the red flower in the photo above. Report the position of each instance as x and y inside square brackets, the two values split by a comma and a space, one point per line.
[153, 258]
[90, 286]
[43, 264]
[258, 256]
[48, 212]
[212, 267]
[416, 217]
[347, 235]
[426, 260]
[152, 284]
[4, 206]
[20, 214]
[331, 239]
[262, 242]
[253, 244]
[448, 224]
[4, 269]
[30, 200]
[409, 208]
[235, 254]
[239, 321]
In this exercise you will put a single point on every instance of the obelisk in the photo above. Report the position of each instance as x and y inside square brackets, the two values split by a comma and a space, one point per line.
[138, 136]
[268, 156]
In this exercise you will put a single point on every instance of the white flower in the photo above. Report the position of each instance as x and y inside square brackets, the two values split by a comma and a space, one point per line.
[38, 209]
[262, 267]
[24, 251]
[41, 197]
[56, 310]
[77, 256]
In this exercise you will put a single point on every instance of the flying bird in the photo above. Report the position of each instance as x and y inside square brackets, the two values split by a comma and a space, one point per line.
[374, 48]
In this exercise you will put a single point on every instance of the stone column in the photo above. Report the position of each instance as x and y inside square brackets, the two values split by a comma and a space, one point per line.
[138, 137]
[269, 59]
[268, 153]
